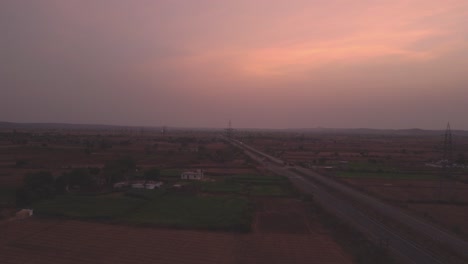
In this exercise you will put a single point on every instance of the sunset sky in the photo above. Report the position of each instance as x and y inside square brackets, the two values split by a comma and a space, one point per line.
[260, 63]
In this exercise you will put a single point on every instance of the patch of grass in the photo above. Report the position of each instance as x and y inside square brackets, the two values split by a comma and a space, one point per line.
[176, 209]
[386, 175]
[7, 196]
[222, 187]
[368, 166]
[89, 207]
[255, 179]
[153, 207]
[227, 213]
[269, 190]
[144, 193]
[170, 173]
[264, 185]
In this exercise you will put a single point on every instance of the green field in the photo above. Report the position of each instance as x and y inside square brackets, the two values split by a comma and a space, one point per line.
[7, 196]
[369, 167]
[217, 205]
[270, 190]
[182, 211]
[145, 194]
[375, 170]
[89, 207]
[256, 179]
[173, 173]
[251, 185]
[153, 207]
[222, 187]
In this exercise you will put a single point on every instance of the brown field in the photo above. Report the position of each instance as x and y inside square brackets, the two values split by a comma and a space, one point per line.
[418, 196]
[377, 154]
[284, 230]
[408, 191]
[283, 216]
[61, 151]
[298, 240]
[404, 151]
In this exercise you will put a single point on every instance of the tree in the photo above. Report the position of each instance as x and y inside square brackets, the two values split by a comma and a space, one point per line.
[118, 170]
[84, 178]
[461, 159]
[152, 174]
[94, 170]
[61, 183]
[37, 186]
[38, 179]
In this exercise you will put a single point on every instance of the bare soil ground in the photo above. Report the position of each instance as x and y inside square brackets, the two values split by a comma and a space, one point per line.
[406, 154]
[66, 241]
[410, 190]
[282, 215]
[60, 152]
[419, 196]
[284, 231]
[452, 217]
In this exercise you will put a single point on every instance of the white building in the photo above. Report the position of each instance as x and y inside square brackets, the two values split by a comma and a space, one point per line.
[150, 185]
[153, 185]
[192, 175]
[24, 213]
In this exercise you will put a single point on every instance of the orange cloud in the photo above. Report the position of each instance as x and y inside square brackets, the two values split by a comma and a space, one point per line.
[314, 36]
[283, 60]
[415, 31]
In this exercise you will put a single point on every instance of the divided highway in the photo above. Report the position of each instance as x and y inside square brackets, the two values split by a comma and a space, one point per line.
[404, 247]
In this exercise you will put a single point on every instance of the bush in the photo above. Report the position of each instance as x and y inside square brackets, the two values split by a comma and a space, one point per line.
[37, 186]
[89, 207]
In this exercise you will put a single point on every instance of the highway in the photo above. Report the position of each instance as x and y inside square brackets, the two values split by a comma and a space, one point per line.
[407, 250]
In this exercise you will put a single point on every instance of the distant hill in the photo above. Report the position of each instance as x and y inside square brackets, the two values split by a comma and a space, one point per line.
[66, 126]
[320, 130]
[371, 131]
[11, 125]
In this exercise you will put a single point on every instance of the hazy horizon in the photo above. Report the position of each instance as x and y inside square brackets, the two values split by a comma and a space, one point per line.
[262, 64]
[156, 126]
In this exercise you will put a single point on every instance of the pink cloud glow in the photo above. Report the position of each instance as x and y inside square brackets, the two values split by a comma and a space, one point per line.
[271, 63]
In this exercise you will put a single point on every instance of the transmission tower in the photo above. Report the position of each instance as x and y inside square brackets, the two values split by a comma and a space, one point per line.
[229, 130]
[448, 148]
[446, 180]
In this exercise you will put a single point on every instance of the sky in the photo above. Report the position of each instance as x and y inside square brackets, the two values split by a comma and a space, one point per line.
[260, 63]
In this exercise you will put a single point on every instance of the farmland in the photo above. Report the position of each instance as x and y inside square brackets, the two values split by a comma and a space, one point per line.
[239, 202]
[239, 213]
[210, 205]
[213, 213]
[68, 241]
[86, 207]
[389, 165]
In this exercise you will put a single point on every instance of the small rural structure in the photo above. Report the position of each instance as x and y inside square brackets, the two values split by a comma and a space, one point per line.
[150, 185]
[24, 213]
[192, 175]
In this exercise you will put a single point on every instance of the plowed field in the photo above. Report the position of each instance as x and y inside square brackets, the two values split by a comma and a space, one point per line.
[38, 240]
[419, 196]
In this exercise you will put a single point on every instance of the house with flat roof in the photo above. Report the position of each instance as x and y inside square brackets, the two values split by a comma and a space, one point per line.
[192, 175]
